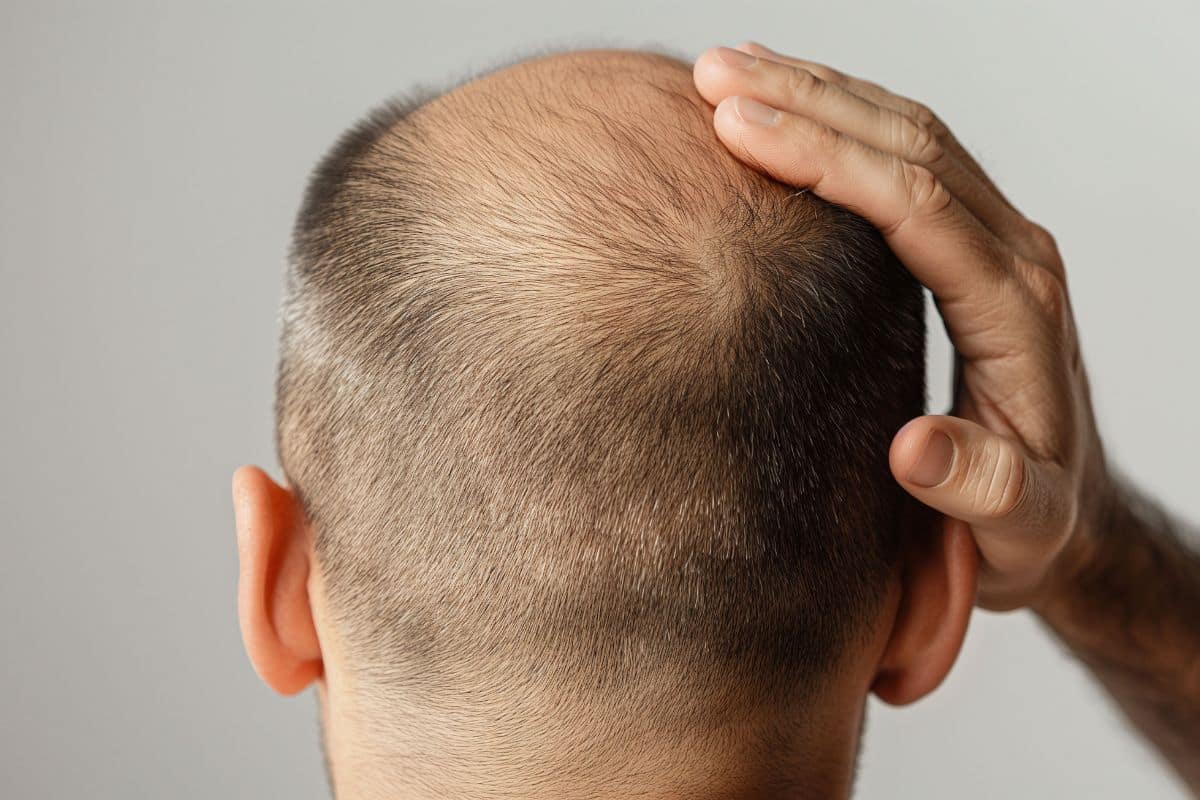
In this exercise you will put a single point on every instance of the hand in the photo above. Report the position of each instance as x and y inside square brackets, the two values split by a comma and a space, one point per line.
[1020, 461]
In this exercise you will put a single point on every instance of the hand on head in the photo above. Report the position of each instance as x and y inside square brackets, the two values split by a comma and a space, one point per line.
[535, 497]
[1020, 460]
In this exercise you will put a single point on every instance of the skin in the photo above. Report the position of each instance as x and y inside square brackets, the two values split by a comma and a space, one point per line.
[294, 643]
[1020, 461]
[1032, 516]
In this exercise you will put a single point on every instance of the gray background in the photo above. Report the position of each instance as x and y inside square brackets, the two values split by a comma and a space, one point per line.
[152, 158]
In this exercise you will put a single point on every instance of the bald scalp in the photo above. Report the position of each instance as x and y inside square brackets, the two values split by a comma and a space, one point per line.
[580, 407]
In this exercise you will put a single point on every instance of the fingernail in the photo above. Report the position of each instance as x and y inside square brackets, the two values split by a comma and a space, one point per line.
[934, 464]
[735, 58]
[754, 112]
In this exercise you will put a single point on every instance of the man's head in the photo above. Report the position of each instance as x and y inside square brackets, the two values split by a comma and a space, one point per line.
[586, 431]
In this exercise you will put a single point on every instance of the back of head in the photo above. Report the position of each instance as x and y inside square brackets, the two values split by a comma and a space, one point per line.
[590, 422]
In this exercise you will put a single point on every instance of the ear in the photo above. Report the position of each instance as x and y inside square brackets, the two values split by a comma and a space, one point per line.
[937, 596]
[275, 558]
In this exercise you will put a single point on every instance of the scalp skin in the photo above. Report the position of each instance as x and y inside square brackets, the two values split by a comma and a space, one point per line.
[590, 421]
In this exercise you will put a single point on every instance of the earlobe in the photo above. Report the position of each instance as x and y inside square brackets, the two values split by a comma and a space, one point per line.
[275, 559]
[938, 595]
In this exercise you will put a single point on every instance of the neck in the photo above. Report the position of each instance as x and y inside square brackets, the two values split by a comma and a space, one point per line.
[777, 760]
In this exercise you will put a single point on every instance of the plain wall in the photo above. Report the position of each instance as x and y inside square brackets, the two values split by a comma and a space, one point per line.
[151, 159]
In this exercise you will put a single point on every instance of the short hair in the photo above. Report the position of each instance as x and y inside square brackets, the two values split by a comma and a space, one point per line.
[574, 400]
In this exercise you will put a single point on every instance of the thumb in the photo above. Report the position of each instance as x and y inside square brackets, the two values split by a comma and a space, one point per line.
[969, 473]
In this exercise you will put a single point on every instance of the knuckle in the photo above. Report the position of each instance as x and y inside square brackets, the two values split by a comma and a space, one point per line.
[824, 73]
[919, 144]
[801, 83]
[1042, 240]
[999, 479]
[1050, 294]
[927, 195]
[925, 117]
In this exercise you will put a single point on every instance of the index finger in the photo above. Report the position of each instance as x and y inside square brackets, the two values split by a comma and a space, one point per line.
[887, 99]
[943, 245]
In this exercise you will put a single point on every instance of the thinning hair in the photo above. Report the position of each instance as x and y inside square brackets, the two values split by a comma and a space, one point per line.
[577, 404]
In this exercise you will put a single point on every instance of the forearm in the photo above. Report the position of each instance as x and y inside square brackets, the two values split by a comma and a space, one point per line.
[1129, 608]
